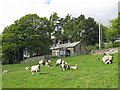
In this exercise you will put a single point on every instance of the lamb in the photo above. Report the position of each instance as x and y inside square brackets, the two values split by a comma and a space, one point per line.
[35, 68]
[48, 63]
[42, 62]
[27, 68]
[108, 57]
[5, 71]
[73, 68]
[58, 62]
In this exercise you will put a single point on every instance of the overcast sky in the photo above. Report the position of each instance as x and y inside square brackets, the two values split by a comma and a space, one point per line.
[12, 10]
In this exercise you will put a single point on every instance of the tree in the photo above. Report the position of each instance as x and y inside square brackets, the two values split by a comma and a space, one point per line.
[54, 26]
[82, 29]
[89, 32]
[57, 25]
[28, 33]
[73, 28]
[113, 32]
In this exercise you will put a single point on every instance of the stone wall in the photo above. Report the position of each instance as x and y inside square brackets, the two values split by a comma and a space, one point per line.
[102, 51]
[37, 58]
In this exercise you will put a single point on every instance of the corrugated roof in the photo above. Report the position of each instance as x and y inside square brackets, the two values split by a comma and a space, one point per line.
[65, 45]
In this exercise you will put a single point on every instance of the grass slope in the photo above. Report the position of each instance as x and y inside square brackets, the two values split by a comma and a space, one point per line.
[91, 74]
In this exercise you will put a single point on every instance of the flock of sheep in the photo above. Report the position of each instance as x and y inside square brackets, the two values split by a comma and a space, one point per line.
[64, 65]
[107, 59]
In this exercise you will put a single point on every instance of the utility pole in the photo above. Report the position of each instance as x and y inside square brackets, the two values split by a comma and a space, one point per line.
[99, 36]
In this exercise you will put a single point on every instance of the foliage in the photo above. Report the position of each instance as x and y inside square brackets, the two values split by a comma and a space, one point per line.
[71, 29]
[29, 33]
[90, 74]
[116, 44]
[90, 32]
[113, 32]
[112, 45]
[90, 48]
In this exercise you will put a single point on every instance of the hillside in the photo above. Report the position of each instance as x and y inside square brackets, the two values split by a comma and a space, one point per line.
[90, 74]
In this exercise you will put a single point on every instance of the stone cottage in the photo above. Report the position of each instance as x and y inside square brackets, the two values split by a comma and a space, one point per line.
[69, 49]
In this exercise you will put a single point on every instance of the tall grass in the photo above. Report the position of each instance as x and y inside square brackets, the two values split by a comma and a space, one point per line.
[90, 74]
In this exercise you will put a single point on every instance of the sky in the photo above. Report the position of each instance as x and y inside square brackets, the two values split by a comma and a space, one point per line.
[101, 10]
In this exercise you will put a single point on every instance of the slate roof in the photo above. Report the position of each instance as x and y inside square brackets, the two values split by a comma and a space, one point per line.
[65, 45]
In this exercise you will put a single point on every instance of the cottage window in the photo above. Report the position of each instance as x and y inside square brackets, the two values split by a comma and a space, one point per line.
[62, 52]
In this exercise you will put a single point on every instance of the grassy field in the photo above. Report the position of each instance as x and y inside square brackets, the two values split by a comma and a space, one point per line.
[90, 74]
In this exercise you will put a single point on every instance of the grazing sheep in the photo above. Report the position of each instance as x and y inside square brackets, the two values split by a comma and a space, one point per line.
[73, 68]
[27, 68]
[5, 71]
[35, 68]
[42, 62]
[63, 66]
[108, 57]
[66, 65]
[48, 63]
[58, 62]
[108, 62]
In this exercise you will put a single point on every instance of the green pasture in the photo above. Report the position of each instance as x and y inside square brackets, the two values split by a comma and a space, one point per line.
[90, 74]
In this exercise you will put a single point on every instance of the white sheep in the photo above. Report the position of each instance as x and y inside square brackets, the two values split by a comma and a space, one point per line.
[35, 68]
[5, 71]
[63, 65]
[58, 62]
[48, 63]
[27, 68]
[108, 62]
[107, 57]
[73, 68]
[42, 62]
[66, 65]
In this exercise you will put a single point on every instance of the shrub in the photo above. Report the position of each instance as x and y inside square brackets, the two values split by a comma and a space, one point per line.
[90, 48]
[115, 44]
[112, 45]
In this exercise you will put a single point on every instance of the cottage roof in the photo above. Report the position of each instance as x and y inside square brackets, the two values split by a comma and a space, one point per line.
[65, 45]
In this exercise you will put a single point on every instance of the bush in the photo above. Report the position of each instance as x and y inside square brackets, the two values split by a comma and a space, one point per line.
[90, 48]
[112, 45]
[95, 47]
[116, 44]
